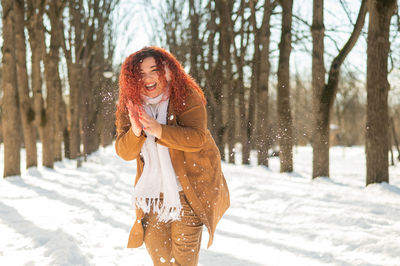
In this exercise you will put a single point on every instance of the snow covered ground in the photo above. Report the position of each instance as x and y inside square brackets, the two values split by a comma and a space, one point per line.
[82, 216]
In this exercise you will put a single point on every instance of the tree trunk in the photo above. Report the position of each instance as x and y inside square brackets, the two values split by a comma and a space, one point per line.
[66, 138]
[240, 53]
[327, 93]
[243, 126]
[213, 89]
[217, 88]
[72, 47]
[93, 136]
[195, 44]
[74, 110]
[86, 113]
[320, 140]
[234, 91]
[377, 90]
[36, 36]
[25, 103]
[263, 133]
[230, 91]
[284, 109]
[59, 122]
[53, 83]
[48, 120]
[55, 13]
[252, 122]
[263, 138]
[10, 109]
[225, 12]
[231, 126]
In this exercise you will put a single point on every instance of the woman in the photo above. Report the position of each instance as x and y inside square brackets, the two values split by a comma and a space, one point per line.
[162, 123]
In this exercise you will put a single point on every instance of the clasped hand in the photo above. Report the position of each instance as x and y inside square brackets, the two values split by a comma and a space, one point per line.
[140, 120]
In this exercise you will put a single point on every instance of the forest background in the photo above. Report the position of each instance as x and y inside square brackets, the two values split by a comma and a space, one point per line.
[276, 74]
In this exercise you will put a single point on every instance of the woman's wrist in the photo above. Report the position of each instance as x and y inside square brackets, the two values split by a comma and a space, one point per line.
[159, 131]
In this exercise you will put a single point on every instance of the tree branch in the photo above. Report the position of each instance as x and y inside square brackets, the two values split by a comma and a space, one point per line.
[330, 89]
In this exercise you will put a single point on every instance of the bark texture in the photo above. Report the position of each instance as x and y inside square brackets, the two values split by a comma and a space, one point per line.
[377, 127]
[10, 109]
[224, 10]
[53, 83]
[321, 138]
[284, 109]
[36, 42]
[73, 47]
[25, 102]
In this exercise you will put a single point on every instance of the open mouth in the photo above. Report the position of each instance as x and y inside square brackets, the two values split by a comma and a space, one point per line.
[151, 86]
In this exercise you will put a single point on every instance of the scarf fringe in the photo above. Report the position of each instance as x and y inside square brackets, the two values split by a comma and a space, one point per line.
[158, 174]
[164, 213]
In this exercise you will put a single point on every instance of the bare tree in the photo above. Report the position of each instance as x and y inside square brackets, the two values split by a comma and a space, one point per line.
[318, 82]
[195, 44]
[260, 81]
[325, 93]
[72, 45]
[10, 109]
[225, 10]
[52, 76]
[377, 133]
[240, 42]
[88, 51]
[211, 62]
[35, 11]
[95, 62]
[284, 110]
[175, 27]
[25, 102]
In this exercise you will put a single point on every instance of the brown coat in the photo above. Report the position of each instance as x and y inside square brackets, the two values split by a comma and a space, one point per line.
[195, 158]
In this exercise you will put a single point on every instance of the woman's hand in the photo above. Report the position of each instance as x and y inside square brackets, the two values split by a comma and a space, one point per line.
[134, 112]
[150, 125]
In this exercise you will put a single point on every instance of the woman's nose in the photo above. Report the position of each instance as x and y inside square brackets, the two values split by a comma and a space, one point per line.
[147, 76]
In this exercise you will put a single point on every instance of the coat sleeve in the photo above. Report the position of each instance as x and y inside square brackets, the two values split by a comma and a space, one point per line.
[190, 133]
[127, 145]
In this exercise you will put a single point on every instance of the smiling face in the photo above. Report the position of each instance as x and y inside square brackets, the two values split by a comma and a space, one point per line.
[152, 83]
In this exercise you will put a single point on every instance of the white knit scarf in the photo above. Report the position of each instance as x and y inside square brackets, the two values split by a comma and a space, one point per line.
[158, 174]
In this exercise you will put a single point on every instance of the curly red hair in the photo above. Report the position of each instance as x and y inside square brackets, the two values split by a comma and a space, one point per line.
[130, 81]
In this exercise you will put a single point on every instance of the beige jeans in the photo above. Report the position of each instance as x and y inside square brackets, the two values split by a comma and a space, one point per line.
[174, 243]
